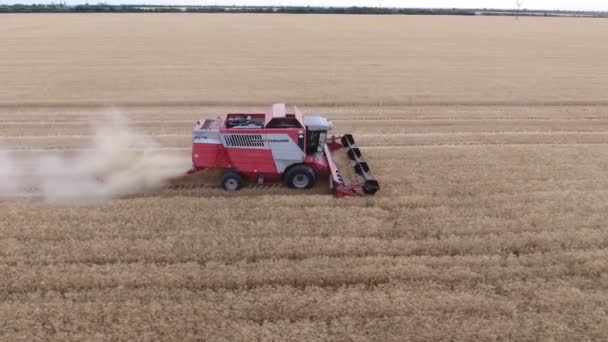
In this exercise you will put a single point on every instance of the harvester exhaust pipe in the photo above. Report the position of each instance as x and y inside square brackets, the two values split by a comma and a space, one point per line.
[370, 185]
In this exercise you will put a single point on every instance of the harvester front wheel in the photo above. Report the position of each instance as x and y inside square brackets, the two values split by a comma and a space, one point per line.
[300, 177]
[232, 181]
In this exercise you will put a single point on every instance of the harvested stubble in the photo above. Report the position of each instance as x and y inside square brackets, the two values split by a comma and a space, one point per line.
[463, 242]
[490, 224]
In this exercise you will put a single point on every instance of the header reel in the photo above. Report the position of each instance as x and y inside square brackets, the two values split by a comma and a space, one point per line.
[342, 187]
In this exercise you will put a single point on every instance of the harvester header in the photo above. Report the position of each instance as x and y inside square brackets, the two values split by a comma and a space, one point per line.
[277, 146]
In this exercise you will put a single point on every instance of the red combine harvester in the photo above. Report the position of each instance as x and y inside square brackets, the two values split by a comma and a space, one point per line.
[277, 146]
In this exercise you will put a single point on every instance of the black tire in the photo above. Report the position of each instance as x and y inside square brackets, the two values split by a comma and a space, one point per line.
[300, 177]
[232, 181]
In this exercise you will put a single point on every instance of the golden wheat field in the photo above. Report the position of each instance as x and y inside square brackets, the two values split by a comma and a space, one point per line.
[489, 137]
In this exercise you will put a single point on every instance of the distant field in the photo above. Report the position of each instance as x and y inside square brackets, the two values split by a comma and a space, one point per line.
[325, 59]
[489, 137]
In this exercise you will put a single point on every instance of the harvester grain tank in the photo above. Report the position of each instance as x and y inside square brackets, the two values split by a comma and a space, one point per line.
[277, 146]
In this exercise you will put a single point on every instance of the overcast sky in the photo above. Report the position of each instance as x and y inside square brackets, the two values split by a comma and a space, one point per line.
[597, 5]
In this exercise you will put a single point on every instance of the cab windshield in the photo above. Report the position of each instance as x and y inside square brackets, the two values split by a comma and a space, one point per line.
[315, 141]
[322, 138]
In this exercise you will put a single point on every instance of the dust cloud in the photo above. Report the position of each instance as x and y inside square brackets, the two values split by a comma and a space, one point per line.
[8, 174]
[119, 162]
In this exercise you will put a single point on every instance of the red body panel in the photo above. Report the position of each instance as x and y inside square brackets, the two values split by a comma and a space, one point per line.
[252, 160]
[209, 155]
[246, 160]
[318, 163]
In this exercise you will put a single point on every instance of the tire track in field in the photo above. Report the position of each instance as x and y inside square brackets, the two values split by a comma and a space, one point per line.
[329, 272]
[86, 123]
[7, 105]
[180, 115]
[210, 188]
[369, 146]
[168, 141]
[413, 255]
[367, 135]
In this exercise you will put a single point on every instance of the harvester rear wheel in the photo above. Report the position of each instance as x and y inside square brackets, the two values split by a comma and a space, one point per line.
[232, 181]
[300, 177]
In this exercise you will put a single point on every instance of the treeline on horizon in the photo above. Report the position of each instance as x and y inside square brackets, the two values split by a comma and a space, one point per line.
[102, 8]
[106, 8]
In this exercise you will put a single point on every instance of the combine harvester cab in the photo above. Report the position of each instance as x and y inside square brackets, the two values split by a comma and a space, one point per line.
[277, 146]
